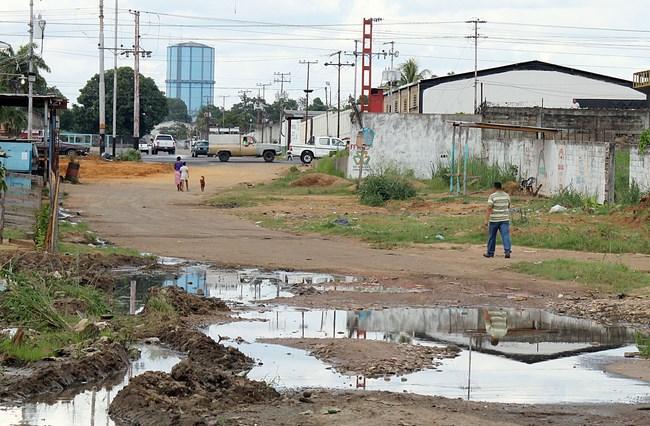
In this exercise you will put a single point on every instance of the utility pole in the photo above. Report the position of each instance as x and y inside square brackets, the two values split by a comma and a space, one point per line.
[327, 106]
[223, 109]
[115, 83]
[281, 80]
[243, 94]
[136, 81]
[307, 91]
[260, 109]
[476, 36]
[391, 75]
[136, 77]
[339, 64]
[102, 83]
[31, 77]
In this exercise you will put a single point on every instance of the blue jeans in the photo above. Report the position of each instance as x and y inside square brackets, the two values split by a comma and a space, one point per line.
[504, 229]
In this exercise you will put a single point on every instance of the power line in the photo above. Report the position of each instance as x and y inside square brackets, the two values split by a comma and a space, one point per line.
[476, 36]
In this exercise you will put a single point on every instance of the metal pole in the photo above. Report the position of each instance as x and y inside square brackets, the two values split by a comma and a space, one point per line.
[282, 81]
[308, 63]
[465, 161]
[30, 75]
[136, 81]
[102, 85]
[115, 83]
[451, 171]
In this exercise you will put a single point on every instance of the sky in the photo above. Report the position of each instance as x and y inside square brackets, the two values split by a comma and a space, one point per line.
[255, 39]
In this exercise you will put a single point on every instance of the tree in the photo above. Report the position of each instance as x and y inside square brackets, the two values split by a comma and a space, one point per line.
[177, 110]
[410, 72]
[317, 105]
[13, 66]
[179, 130]
[153, 104]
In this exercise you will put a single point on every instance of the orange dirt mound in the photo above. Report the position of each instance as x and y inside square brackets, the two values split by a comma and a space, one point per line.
[318, 179]
[95, 168]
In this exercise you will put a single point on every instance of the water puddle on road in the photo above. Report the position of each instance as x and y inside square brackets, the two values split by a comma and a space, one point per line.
[88, 407]
[543, 358]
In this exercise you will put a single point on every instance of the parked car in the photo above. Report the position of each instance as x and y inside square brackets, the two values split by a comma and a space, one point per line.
[145, 146]
[316, 147]
[64, 148]
[200, 148]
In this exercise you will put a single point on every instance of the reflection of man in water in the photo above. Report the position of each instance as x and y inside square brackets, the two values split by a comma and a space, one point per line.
[495, 324]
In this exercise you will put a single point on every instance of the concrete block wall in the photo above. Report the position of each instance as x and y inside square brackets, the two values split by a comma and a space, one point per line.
[640, 169]
[417, 142]
[587, 168]
[580, 124]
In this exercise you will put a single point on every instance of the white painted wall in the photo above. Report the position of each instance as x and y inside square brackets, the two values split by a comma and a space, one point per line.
[555, 164]
[640, 169]
[417, 142]
[523, 88]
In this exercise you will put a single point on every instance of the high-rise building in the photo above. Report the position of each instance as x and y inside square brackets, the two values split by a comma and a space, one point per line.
[190, 75]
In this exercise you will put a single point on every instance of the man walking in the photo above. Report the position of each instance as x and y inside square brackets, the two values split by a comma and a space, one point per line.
[497, 218]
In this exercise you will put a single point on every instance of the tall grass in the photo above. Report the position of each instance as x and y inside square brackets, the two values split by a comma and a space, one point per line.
[479, 172]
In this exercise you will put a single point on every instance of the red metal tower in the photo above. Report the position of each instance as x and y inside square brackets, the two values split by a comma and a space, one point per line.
[366, 63]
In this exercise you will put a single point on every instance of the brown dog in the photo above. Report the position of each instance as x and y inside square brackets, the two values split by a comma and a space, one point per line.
[202, 183]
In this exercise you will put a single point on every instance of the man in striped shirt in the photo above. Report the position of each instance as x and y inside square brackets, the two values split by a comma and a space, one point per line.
[497, 218]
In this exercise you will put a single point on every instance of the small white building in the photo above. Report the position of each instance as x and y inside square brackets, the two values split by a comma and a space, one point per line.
[525, 84]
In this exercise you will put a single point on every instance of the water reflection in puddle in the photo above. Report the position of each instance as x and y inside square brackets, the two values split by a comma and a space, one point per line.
[543, 358]
[88, 407]
[244, 286]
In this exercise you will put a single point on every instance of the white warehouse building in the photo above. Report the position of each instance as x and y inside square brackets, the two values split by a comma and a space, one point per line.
[525, 84]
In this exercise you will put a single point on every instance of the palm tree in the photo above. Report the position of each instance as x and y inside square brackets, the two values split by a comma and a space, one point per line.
[410, 72]
[14, 64]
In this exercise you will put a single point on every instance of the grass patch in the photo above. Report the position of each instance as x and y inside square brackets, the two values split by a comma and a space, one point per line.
[130, 154]
[643, 344]
[603, 276]
[387, 231]
[35, 349]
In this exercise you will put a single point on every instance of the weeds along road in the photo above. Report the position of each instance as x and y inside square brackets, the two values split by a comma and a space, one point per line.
[148, 214]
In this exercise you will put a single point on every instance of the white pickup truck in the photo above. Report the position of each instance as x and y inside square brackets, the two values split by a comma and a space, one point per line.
[316, 147]
[163, 143]
[225, 146]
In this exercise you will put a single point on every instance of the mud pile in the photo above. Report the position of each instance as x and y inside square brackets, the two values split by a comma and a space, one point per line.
[184, 304]
[99, 360]
[198, 389]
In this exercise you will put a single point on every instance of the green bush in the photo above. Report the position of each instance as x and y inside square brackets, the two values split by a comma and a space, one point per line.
[376, 190]
[129, 155]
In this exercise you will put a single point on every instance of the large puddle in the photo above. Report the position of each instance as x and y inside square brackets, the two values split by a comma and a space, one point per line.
[542, 358]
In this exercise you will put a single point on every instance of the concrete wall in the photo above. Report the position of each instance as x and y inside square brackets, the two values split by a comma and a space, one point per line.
[524, 88]
[418, 142]
[587, 168]
[640, 169]
[612, 125]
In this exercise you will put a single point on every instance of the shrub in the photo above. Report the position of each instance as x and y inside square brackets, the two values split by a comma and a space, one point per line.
[644, 141]
[377, 189]
[129, 155]
[41, 226]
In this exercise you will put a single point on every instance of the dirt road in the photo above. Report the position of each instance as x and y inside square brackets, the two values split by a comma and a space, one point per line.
[148, 214]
